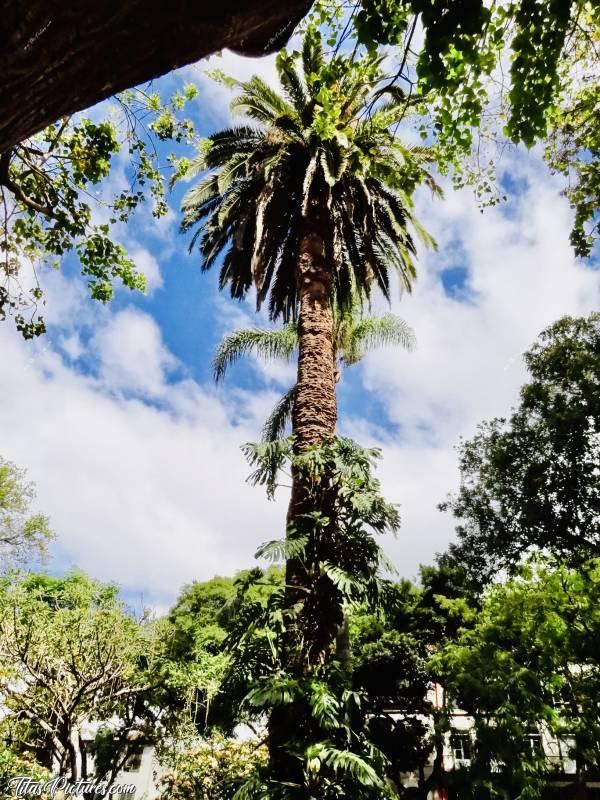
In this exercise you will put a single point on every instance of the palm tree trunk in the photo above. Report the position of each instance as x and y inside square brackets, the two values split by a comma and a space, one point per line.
[314, 414]
[315, 409]
[314, 418]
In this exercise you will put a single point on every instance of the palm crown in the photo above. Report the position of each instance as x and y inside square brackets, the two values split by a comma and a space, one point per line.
[327, 135]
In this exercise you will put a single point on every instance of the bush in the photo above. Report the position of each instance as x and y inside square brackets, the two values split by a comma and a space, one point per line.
[211, 770]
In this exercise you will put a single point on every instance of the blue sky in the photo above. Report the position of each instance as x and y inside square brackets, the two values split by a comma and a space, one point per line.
[136, 454]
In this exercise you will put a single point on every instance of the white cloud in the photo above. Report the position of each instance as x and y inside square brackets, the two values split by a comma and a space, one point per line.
[151, 496]
[131, 355]
[72, 346]
[467, 366]
[139, 466]
[214, 98]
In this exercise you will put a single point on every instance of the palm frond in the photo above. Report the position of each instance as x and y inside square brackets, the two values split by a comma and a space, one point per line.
[312, 56]
[372, 332]
[260, 102]
[291, 81]
[251, 208]
[279, 418]
[264, 343]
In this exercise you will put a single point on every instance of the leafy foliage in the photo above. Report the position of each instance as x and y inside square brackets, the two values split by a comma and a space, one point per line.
[533, 481]
[391, 665]
[22, 534]
[463, 44]
[268, 344]
[485, 74]
[573, 147]
[210, 770]
[339, 563]
[69, 654]
[49, 204]
[15, 765]
[354, 334]
[529, 665]
[199, 689]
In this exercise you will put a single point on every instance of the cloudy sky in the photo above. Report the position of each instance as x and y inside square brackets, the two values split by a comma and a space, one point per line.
[135, 453]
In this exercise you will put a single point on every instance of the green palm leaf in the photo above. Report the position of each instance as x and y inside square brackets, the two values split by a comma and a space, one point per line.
[266, 344]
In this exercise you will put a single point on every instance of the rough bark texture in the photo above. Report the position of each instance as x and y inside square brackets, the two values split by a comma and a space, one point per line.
[58, 57]
[314, 414]
[315, 410]
[313, 422]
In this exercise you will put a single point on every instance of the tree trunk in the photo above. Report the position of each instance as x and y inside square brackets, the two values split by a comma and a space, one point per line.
[59, 57]
[314, 418]
[75, 752]
[315, 409]
[314, 415]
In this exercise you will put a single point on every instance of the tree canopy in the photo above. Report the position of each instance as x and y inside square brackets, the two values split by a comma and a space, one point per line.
[312, 142]
[69, 656]
[532, 481]
[59, 193]
[22, 534]
[529, 667]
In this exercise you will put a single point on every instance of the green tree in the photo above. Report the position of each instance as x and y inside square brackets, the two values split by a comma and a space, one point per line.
[14, 765]
[70, 654]
[573, 144]
[212, 769]
[199, 688]
[312, 207]
[354, 335]
[530, 665]
[392, 648]
[56, 197]
[532, 481]
[491, 73]
[22, 534]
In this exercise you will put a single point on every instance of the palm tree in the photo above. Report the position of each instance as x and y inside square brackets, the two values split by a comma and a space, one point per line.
[309, 202]
[354, 336]
[311, 205]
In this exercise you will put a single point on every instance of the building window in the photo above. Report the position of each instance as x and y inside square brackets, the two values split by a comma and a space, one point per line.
[460, 743]
[533, 742]
[133, 763]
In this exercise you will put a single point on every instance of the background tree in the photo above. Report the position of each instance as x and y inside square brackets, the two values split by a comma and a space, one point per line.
[69, 655]
[212, 769]
[200, 690]
[14, 764]
[529, 667]
[392, 650]
[573, 144]
[532, 481]
[354, 335]
[22, 534]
